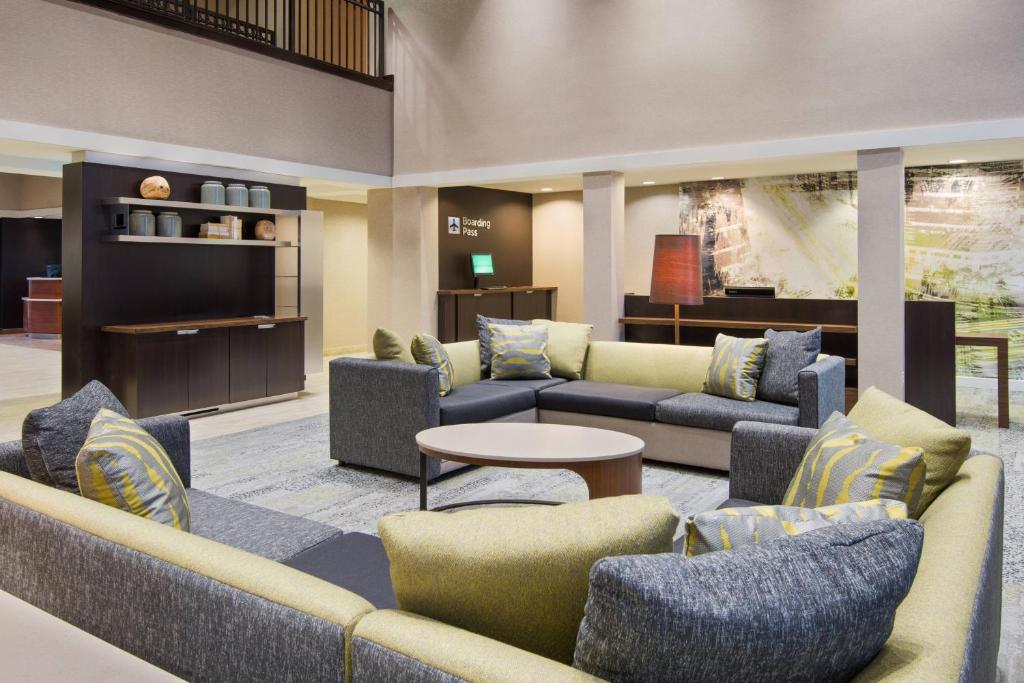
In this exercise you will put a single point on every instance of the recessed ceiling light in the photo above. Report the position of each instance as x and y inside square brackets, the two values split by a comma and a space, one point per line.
[647, 182]
[958, 161]
[546, 189]
[718, 177]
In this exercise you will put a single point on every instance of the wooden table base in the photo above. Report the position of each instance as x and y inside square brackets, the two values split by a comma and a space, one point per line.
[1002, 346]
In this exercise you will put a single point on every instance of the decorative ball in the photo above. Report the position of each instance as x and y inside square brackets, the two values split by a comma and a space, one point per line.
[155, 187]
[266, 230]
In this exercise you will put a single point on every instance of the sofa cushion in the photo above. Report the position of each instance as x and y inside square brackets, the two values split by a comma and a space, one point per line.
[257, 530]
[518, 575]
[480, 402]
[519, 352]
[51, 437]
[788, 353]
[663, 366]
[736, 365]
[387, 345]
[123, 466]
[356, 562]
[602, 398]
[817, 607]
[567, 347]
[484, 334]
[428, 351]
[721, 413]
[537, 385]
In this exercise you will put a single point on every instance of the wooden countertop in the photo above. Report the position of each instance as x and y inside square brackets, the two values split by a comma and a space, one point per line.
[740, 324]
[153, 328]
[506, 290]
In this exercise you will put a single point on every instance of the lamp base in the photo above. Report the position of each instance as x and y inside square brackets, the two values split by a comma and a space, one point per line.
[675, 326]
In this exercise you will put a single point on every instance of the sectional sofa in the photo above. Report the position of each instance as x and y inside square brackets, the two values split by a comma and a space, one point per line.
[652, 391]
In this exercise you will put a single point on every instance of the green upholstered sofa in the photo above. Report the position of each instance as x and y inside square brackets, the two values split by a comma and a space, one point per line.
[652, 391]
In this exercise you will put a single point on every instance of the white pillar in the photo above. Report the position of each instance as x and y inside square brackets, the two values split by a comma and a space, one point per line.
[604, 220]
[880, 266]
[402, 251]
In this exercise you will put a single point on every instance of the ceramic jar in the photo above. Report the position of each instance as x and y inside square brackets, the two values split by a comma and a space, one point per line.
[141, 223]
[259, 197]
[238, 195]
[212, 192]
[168, 224]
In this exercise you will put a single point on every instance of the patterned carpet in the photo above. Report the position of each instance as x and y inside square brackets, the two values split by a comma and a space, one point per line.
[285, 467]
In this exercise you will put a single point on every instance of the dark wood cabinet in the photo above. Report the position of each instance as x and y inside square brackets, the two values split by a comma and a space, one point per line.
[457, 308]
[533, 304]
[266, 360]
[248, 364]
[208, 374]
[285, 359]
[161, 360]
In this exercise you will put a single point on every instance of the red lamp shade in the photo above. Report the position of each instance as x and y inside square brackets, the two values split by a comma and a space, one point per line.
[676, 277]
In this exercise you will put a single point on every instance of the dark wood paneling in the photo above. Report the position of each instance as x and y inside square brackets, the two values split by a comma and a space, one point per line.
[42, 316]
[248, 353]
[488, 305]
[930, 360]
[209, 378]
[285, 369]
[509, 239]
[162, 370]
[27, 246]
[531, 305]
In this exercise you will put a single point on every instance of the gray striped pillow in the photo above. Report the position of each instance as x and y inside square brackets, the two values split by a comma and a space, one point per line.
[735, 367]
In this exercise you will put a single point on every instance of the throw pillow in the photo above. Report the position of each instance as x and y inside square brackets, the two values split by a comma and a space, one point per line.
[817, 607]
[842, 465]
[123, 466]
[730, 528]
[887, 418]
[484, 332]
[735, 367]
[518, 575]
[51, 437]
[567, 347]
[429, 351]
[389, 346]
[788, 353]
[519, 352]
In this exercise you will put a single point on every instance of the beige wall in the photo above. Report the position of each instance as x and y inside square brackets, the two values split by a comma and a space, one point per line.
[650, 211]
[71, 66]
[345, 278]
[558, 249]
[24, 192]
[491, 82]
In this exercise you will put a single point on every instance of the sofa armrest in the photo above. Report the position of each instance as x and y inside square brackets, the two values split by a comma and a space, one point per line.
[12, 459]
[377, 408]
[173, 433]
[389, 645]
[763, 459]
[821, 390]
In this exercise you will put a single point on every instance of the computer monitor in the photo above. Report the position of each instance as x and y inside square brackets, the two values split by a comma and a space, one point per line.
[483, 264]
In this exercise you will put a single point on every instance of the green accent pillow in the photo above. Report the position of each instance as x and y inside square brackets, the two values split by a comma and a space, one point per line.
[736, 365]
[123, 466]
[889, 419]
[730, 528]
[428, 351]
[387, 345]
[518, 575]
[842, 465]
[567, 347]
[519, 352]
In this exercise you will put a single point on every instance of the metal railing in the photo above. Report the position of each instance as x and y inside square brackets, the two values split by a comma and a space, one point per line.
[340, 36]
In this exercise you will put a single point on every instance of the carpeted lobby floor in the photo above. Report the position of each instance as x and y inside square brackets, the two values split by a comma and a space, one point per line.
[285, 467]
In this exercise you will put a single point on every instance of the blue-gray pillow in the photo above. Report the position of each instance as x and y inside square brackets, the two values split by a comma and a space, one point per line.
[51, 437]
[816, 607]
[788, 353]
[484, 333]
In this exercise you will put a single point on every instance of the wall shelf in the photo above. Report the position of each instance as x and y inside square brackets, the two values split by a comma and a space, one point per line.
[218, 208]
[203, 241]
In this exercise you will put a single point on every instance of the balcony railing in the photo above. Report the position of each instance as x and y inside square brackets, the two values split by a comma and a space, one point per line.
[345, 37]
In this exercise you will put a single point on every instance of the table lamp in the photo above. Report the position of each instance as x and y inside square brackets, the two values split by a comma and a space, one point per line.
[676, 277]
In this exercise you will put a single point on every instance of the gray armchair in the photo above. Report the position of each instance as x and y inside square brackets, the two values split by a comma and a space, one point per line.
[822, 390]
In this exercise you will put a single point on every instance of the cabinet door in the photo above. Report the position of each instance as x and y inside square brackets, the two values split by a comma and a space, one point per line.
[162, 373]
[248, 352]
[531, 305]
[209, 377]
[489, 305]
[286, 372]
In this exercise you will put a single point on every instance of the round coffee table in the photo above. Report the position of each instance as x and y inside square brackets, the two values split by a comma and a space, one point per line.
[609, 462]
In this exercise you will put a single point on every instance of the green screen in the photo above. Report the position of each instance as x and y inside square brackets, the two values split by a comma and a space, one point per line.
[482, 264]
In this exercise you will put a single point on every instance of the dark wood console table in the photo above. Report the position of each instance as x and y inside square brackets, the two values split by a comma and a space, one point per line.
[457, 308]
[43, 308]
[1002, 345]
[175, 367]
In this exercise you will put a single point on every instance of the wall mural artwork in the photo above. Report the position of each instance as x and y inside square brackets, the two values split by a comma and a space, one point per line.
[964, 241]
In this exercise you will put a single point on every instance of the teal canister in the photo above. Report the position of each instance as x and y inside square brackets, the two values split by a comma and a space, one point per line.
[238, 195]
[141, 223]
[259, 197]
[168, 224]
[212, 192]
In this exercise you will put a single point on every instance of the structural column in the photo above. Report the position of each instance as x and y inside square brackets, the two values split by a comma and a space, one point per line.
[402, 269]
[880, 266]
[604, 220]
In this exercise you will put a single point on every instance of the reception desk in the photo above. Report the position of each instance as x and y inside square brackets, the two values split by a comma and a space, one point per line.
[457, 308]
[43, 308]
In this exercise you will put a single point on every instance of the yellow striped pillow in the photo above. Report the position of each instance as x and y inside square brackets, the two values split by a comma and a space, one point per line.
[733, 527]
[842, 465]
[736, 366]
[121, 465]
[519, 352]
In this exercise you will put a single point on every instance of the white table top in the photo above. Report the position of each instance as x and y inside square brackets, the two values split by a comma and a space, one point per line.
[37, 646]
[528, 442]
